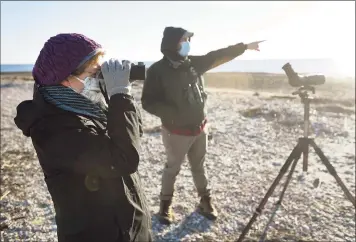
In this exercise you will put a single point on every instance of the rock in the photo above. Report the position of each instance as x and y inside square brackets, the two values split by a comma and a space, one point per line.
[238, 164]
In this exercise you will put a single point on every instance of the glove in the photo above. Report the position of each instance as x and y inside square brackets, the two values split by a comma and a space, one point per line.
[116, 76]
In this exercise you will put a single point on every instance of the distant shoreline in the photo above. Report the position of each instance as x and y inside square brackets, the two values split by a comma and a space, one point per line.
[326, 67]
[16, 73]
[28, 73]
[219, 74]
[266, 74]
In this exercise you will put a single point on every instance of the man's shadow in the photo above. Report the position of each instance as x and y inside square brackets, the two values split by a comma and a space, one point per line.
[193, 223]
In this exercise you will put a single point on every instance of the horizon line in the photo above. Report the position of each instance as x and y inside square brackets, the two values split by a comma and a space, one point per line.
[315, 58]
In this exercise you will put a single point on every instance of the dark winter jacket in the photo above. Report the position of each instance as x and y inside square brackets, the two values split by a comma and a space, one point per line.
[174, 87]
[90, 172]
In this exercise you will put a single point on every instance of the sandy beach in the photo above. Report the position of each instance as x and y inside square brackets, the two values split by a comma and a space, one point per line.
[255, 123]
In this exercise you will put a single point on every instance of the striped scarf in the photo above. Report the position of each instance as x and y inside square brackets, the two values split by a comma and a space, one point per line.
[67, 99]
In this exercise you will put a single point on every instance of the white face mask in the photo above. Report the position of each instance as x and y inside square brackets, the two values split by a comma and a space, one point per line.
[81, 80]
[185, 48]
[92, 90]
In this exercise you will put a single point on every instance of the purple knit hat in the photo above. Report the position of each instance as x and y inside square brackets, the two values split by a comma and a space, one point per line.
[61, 55]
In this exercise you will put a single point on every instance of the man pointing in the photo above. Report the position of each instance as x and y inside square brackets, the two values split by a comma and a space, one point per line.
[174, 92]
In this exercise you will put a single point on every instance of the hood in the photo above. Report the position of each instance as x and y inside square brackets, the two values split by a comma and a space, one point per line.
[29, 112]
[27, 115]
[170, 40]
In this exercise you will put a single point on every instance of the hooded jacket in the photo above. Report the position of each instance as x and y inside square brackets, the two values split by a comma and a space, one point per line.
[90, 171]
[174, 86]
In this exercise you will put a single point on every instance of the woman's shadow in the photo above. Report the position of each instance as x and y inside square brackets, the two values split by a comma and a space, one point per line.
[193, 223]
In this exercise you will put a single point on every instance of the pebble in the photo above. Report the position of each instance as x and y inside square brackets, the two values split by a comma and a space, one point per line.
[236, 169]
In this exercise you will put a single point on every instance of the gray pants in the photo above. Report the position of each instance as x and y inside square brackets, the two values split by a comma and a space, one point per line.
[177, 147]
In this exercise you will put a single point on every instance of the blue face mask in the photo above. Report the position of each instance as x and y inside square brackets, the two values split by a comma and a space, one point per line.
[185, 48]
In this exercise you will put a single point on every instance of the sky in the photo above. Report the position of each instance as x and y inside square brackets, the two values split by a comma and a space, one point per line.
[133, 30]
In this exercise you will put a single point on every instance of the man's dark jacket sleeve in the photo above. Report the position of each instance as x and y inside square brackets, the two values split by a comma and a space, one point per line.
[216, 58]
[153, 97]
[82, 150]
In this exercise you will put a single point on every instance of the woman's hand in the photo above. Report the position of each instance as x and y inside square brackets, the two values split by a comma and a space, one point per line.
[116, 76]
[254, 45]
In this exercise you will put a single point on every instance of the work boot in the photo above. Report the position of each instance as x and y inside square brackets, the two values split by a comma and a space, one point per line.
[206, 209]
[165, 215]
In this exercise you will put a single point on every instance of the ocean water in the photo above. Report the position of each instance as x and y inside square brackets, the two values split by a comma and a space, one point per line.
[305, 66]
[16, 68]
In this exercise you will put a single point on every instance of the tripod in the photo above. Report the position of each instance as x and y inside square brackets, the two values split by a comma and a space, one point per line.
[302, 147]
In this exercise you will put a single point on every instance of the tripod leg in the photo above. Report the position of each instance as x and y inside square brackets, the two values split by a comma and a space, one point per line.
[332, 171]
[295, 154]
[279, 202]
